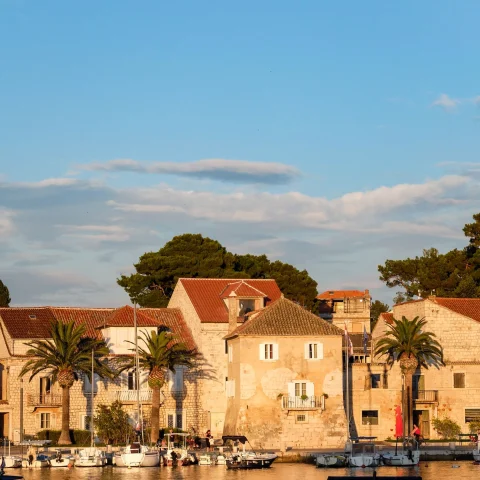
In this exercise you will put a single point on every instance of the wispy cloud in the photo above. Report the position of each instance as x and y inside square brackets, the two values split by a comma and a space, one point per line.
[235, 171]
[449, 104]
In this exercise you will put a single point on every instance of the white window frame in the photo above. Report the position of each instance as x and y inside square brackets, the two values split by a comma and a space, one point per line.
[309, 389]
[230, 388]
[175, 414]
[268, 352]
[313, 351]
[44, 422]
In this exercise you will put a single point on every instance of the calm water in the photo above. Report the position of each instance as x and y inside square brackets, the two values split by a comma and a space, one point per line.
[429, 471]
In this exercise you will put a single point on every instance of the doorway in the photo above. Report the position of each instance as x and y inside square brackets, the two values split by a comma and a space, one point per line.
[4, 424]
[422, 419]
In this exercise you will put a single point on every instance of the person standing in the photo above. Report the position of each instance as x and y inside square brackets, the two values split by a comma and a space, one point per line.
[416, 433]
[208, 437]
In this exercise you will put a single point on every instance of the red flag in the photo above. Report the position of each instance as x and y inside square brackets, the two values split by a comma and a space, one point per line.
[398, 422]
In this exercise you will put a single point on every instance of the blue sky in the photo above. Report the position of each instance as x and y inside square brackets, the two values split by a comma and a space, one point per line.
[331, 135]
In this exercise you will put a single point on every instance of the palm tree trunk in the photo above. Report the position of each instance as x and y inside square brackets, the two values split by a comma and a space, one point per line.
[65, 433]
[155, 414]
[409, 393]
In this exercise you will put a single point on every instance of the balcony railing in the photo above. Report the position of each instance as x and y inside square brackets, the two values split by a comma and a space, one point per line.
[44, 399]
[426, 396]
[130, 396]
[297, 403]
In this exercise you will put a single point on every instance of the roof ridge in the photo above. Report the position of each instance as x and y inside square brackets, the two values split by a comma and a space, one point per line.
[235, 280]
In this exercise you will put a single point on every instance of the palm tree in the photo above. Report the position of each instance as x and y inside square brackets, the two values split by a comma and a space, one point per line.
[161, 353]
[407, 343]
[68, 353]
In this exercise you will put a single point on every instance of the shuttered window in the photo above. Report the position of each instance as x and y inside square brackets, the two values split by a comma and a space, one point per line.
[472, 415]
[313, 351]
[459, 380]
[268, 351]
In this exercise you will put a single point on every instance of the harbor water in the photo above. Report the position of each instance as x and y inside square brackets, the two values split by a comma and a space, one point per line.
[282, 471]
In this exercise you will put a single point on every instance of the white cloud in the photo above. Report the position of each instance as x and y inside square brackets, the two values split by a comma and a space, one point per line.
[447, 103]
[6, 223]
[236, 171]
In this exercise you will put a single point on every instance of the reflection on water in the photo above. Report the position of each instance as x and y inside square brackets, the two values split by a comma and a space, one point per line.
[279, 471]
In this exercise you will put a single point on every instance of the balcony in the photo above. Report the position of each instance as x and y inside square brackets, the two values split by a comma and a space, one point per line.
[44, 400]
[297, 403]
[425, 396]
[130, 396]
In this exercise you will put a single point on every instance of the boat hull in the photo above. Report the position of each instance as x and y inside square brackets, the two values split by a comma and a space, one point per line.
[401, 460]
[64, 462]
[12, 462]
[250, 463]
[363, 461]
[476, 455]
[331, 461]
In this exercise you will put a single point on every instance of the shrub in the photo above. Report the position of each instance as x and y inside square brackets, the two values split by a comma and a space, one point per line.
[78, 437]
[112, 424]
[447, 428]
[474, 426]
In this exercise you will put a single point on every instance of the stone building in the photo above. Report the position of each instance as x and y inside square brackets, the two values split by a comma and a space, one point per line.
[452, 390]
[42, 399]
[209, 306]
[284, 384]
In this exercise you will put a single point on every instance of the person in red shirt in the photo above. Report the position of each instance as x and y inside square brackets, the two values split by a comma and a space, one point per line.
[416, 433]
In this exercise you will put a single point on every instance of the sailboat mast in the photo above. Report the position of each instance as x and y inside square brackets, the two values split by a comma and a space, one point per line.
[137, 372]
[92, 400]
[347, 389]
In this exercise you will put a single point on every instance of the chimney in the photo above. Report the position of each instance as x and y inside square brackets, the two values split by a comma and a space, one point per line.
[232, 313]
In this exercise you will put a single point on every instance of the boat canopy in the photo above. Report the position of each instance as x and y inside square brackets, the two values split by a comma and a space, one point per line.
[35, 443]
[235, 438]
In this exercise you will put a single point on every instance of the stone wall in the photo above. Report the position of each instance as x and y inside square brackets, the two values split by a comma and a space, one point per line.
[257, 409]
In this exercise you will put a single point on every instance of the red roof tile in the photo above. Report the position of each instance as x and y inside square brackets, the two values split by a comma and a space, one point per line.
[469, 307]
[387, 317]
[340, 294]
[205, 295]
[241, 289]
[34, 322]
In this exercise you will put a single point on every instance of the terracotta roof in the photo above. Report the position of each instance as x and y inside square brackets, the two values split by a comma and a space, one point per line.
[340, 294]
[387, 317]
[286, 318]
[469, 307]
[34, 322]
[205, 295]
[241, 289]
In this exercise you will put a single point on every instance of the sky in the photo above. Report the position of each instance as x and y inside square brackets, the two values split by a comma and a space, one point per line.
[332, 135]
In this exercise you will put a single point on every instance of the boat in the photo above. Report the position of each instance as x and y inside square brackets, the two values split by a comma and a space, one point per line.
[246, 460]
[408, 456]
[221, 459]
[364, 454]
[137, 455]
[91, 457]
[41, 460]
[9, 461]
[205, 459]
[331, 461]
[177, 455]
[62, 459]
[476, 450]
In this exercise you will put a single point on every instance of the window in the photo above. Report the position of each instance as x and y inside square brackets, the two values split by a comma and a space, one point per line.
[45, 420]
[375, 378]
[459, 380]
[131, 380]
[176, 419]
[300, 389]
[472, 415]
[45, 386]
[179, 419]
[226, 346]
[230, 353]
[369, 417]
[84, 421]
[245, 306]
[177, 380]
[314, 351]
[268, 351]
[87, 386]
[301, 418]
[170, 420]
[163, 328]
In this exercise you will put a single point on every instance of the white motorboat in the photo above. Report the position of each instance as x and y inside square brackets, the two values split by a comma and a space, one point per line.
[221, 459]
[9, 461]
[177, 455]
[40, 460]
[409, 455]
[364, 454]
[331, 461]
[62, 459]
[91, 457]
[205, 460]
[247, 459]
[137, 455]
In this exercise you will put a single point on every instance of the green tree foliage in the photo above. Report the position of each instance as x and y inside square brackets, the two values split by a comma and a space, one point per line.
[192, 255]
[67, 354]
[452, 274]
[447, 428]
[407, 342]
[159, 353]
[4, 295]
[111, 423]
[376, 309]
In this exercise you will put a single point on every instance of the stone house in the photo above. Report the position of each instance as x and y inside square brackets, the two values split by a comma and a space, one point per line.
[209, 306]
[284, 386]
[452, 390]
[42, 399]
